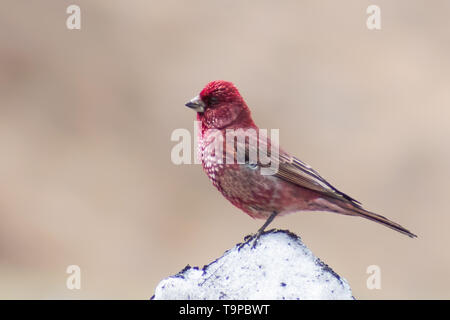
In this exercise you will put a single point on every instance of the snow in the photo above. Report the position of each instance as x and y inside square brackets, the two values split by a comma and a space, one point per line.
[279, 267]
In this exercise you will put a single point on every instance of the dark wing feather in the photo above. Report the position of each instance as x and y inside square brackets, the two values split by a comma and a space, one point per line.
[299, 173]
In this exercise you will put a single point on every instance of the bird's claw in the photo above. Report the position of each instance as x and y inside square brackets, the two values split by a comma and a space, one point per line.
[248, 239]
[255, 241]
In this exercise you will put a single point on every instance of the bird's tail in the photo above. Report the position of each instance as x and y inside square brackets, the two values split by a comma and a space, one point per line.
[380, 219]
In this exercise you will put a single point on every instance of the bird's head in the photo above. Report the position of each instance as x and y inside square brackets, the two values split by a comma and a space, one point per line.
[220, 105]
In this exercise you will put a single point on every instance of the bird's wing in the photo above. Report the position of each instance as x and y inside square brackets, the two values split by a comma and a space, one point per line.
[290, 168]
[296, 171]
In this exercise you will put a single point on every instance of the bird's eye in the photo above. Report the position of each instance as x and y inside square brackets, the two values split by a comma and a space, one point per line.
[213, 100]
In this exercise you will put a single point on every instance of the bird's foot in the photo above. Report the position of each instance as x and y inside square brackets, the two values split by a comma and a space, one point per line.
[250, 239]
[247, 240]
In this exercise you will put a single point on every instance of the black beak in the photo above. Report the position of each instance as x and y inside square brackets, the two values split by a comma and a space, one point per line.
[197, 104]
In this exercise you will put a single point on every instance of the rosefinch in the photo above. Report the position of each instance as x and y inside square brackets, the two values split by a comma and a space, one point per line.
[295, 186]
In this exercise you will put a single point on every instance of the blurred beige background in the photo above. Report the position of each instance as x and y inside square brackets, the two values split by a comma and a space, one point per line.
[86, 118]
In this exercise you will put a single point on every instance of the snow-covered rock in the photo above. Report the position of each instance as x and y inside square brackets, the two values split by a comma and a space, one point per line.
[279, 267]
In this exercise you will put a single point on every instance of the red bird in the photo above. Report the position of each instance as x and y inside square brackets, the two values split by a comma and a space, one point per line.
[295, 186]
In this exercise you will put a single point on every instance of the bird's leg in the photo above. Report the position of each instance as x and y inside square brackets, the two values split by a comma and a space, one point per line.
[264, 226]
[268, 221]
[260, 231]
